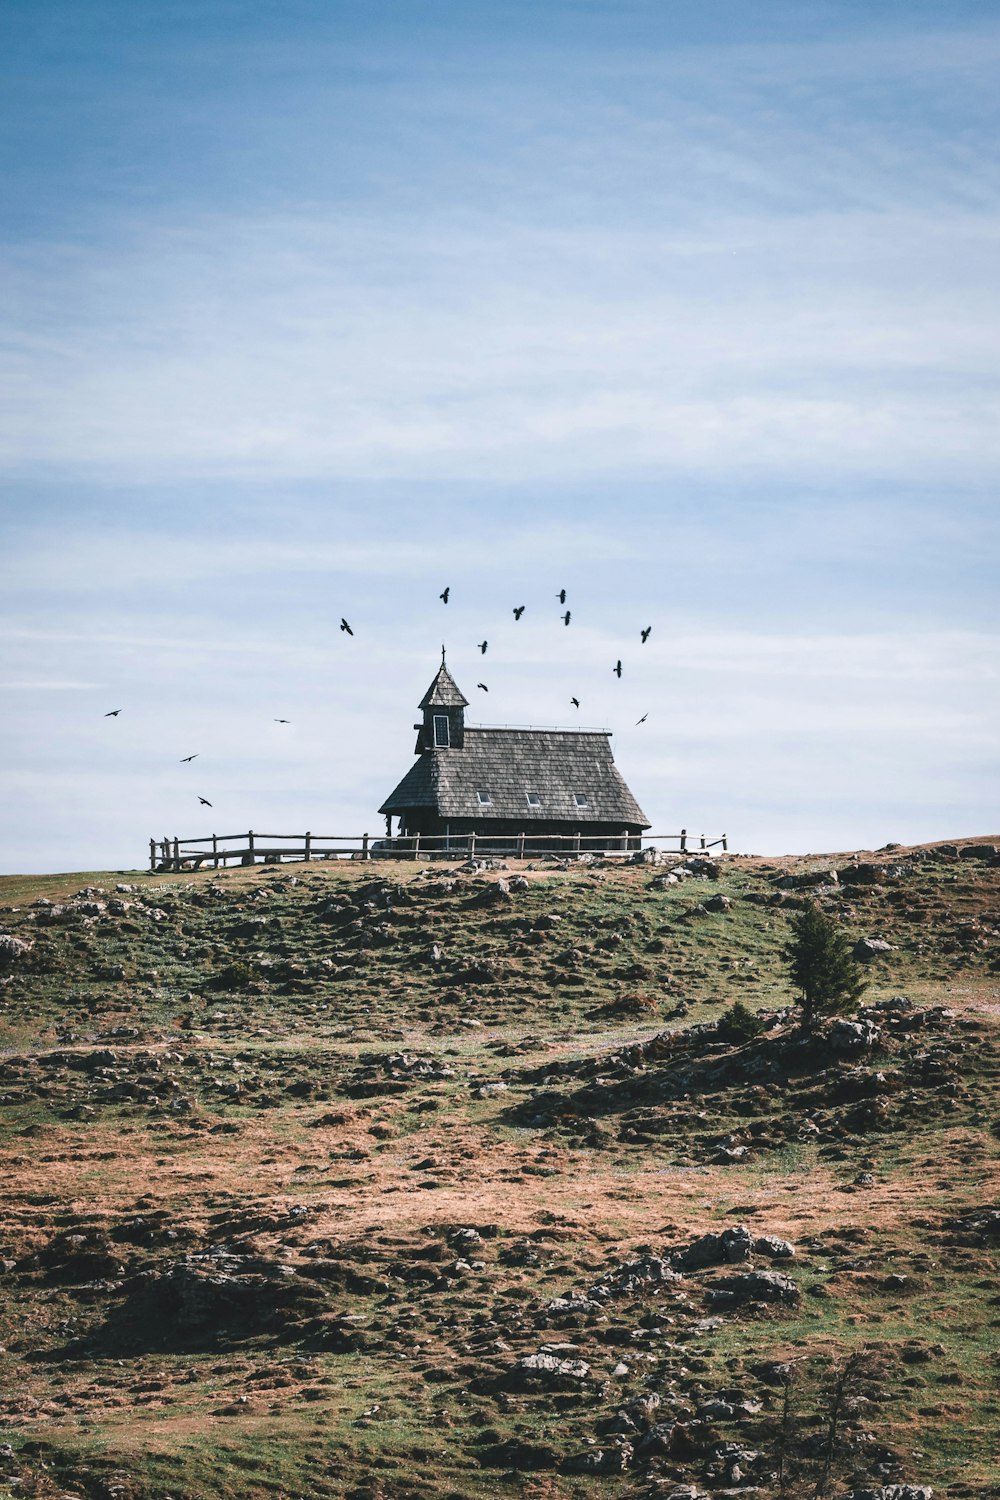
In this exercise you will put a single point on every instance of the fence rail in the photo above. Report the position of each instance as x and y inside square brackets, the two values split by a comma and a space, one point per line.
[275, 848]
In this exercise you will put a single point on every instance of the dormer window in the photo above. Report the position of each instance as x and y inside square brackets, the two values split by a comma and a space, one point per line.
[581, 799]
[485, 798]
[533, 799]
[442, 739]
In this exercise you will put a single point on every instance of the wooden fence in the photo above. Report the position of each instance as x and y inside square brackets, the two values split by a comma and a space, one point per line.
[274, 848]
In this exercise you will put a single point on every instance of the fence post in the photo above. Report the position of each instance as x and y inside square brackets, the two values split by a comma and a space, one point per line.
[724, 844]
[215, 852]
[152, 856]
[416, 845]
[472, 846]
[364, 847]
[684, 840]
[520, 846]
[576, 843]
[250, 848]
[703, 841]
[308, 848]
[177, 852]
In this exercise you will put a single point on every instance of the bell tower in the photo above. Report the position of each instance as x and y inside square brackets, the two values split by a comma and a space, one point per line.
[443, 708]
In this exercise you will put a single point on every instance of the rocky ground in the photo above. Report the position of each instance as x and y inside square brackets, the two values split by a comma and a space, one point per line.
[404, 1180]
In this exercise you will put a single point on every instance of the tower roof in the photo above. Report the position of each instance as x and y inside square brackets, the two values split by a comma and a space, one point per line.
[443, 691]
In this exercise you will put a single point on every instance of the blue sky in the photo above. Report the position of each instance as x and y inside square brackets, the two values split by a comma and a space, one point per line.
[311, 310]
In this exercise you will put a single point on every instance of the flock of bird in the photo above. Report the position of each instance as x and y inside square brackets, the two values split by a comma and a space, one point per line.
[482, 647]
[517, 612]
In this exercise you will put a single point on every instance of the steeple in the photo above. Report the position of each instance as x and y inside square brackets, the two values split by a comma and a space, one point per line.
[443, 707]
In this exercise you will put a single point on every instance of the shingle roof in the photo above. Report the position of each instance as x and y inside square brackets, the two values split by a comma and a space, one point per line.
[509, 763]
[443, 692]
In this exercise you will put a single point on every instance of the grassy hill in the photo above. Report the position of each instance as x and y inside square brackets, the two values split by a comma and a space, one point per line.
[406, 1180]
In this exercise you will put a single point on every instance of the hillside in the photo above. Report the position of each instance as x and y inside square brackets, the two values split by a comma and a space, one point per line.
[405, 1180]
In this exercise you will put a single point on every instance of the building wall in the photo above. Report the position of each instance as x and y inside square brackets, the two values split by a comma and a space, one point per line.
[507, 832]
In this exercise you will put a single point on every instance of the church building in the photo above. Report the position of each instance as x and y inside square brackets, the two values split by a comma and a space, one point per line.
[502, 784]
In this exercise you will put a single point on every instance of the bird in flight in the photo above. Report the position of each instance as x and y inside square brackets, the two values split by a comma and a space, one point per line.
[204, 802]
[482, 646]
[617, 668]
[282, 721]
[646, 633]
[561, 596]
[344, 626]
[566, 617]
[186, 758]
[518, 611]
[575, 702]
[483, 686]
[443, 596]
[641, 721]
[113, 714]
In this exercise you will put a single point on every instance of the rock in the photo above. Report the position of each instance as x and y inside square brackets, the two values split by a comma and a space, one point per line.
[550, 1369]
[895, 1492]
[860, 874]
[633, 1276]
[772, 1372]
[869, 949]
[854, 1036]
[864, 1179]
[772, 1246]
[753, 1286]
[718, 903]
[728, 1248]
[657, 1443]
[518, 883]
[978, 851]
[12, 950]
[572, 1305]
[496, 893]
[728, 1406]
[599, 1460]
[804, 879]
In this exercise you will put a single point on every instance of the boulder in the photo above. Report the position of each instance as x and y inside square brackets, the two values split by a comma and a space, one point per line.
[978, 851]
[869, 949]
[550, 1369]
[753, 1286]
[12, 950]
[614, 1460]
[728, 1248]
[634, 1276]
[657, 1443]
[773, 1247]
[854, 1036]
[895, 1492]
[496, 893]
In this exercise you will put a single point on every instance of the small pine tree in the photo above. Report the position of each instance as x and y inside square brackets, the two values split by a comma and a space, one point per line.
[738, 1023]
[827, 975]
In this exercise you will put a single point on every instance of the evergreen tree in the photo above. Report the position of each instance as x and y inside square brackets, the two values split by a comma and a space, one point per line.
[828, 977]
